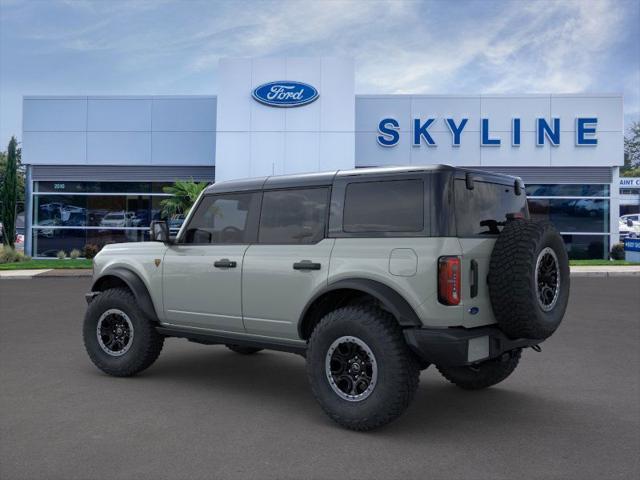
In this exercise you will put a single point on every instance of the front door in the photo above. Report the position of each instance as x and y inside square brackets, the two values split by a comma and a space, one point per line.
[289, 263]
[202, 272]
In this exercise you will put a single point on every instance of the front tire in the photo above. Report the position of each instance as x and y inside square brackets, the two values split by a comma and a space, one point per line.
[361, 371]
[118, 337]
[482, 375]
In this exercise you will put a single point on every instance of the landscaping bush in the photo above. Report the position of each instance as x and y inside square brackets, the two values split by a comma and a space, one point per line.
[91, 250]
[10, 255]
[75, 253]
[61, 255]
[617, 251]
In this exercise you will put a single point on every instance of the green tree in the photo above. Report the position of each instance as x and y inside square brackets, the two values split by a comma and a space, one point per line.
[8, 194]
[185, 193]
[19, 172]
[631, 166]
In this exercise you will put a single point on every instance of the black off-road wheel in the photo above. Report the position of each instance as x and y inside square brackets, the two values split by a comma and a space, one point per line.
[361, 371]
[118, 337]
[242, 349]
[529, 279]
[482, 375]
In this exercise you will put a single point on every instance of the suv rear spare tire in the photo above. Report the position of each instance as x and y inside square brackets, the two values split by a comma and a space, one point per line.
[529, 279]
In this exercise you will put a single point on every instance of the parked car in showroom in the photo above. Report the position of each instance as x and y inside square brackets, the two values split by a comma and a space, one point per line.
[370, 274]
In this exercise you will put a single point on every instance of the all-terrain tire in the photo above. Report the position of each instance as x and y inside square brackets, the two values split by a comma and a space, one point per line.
[513, 289]
[241, 349]
[482, 375]
[146, 342]
[397, 368]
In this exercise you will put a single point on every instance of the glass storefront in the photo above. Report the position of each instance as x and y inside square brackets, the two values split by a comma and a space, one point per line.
[71, 215]
[580, 212]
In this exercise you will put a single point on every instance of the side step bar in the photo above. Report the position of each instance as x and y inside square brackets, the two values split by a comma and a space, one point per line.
[207, 338]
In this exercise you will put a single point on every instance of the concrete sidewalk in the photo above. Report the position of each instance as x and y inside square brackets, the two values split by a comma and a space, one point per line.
[27, 274]
[606, 271]
[594, 271]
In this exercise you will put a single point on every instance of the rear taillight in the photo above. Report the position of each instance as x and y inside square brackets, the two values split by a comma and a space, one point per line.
[449, 280]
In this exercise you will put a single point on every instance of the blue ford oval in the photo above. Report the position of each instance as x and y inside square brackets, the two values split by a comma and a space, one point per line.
[285, 93]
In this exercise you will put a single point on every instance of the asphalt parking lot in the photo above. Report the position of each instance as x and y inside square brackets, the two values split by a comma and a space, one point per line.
[570, 412]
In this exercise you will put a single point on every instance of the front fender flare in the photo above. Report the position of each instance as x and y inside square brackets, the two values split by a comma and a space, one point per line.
[135, 284]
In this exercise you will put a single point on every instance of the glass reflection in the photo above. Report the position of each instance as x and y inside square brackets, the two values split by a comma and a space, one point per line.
[581, 215]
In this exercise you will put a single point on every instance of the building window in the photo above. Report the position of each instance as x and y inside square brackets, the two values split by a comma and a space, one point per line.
[70, 215]
[579, 212]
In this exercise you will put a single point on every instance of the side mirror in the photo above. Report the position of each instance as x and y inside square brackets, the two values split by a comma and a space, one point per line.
[159, 231]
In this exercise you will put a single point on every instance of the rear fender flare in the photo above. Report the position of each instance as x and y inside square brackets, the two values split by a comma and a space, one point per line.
[392, 301]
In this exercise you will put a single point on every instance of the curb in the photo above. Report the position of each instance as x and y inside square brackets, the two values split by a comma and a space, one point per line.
[50, 273]
[605, 274]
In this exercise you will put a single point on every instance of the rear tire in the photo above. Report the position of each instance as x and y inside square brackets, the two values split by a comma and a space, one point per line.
[118, 337]
[242, 349]
[482, 375]
[361, 371]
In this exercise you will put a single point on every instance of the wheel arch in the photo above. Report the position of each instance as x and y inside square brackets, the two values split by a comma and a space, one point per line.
[344, 291]
[123, 277]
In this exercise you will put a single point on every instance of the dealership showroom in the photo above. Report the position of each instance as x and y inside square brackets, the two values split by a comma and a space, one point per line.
[96, 166]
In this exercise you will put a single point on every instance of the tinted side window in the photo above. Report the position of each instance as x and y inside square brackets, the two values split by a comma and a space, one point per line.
[387, 206]
[484, 210]
[224, 218]
[295, 216]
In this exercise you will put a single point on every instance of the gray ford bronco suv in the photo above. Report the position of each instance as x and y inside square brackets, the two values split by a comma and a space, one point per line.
[371, 274]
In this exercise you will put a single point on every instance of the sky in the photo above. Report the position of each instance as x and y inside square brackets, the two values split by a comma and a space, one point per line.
[118, 47]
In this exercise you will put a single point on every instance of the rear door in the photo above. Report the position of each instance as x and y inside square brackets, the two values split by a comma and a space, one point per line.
[289, 263]
[481, 213]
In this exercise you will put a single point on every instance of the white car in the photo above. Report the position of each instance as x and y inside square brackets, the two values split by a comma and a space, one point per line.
[628, 228]
[635, 218]
[118, 219]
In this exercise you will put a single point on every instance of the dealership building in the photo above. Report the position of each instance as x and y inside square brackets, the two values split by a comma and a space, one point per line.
[96, 166]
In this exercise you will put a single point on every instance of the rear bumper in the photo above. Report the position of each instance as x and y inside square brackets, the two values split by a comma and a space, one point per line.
[461, 346]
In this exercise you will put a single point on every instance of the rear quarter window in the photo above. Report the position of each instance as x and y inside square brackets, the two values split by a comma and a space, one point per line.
[384, 206]
[484, 210]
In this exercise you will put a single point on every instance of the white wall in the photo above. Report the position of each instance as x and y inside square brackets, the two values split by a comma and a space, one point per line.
[147, 130]
[499, 109]
[255, 139]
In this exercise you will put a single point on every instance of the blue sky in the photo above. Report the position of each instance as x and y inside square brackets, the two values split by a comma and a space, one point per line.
[172, 47]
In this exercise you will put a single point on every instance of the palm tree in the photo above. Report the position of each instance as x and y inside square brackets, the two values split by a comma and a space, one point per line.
[185, 193]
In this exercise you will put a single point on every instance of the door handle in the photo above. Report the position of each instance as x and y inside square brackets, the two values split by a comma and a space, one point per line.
[474, 279]
[306, 265]
[224, 263]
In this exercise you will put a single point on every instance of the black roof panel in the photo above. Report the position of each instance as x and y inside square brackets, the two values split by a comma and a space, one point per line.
[327, 178]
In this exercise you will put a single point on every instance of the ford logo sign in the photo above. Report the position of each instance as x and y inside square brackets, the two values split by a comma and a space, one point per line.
[285, 94]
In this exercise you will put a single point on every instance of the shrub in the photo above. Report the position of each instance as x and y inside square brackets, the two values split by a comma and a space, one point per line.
[61, 255]
[10, 255]
[75, 253]
[617, 251]
[91, 250]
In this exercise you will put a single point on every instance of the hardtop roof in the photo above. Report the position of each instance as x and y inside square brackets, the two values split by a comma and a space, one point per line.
[327, 178]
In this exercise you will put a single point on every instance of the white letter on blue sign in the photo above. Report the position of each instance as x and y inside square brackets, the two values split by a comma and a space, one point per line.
[420, 132]
[486, 141]
[389, 135]
[584, 127]
[456, 131]
[544, 130]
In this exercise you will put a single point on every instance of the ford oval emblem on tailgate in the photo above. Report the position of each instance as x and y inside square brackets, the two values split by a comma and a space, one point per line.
[285, 93]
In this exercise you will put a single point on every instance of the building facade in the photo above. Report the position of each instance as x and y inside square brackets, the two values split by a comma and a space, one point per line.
[96, 165]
